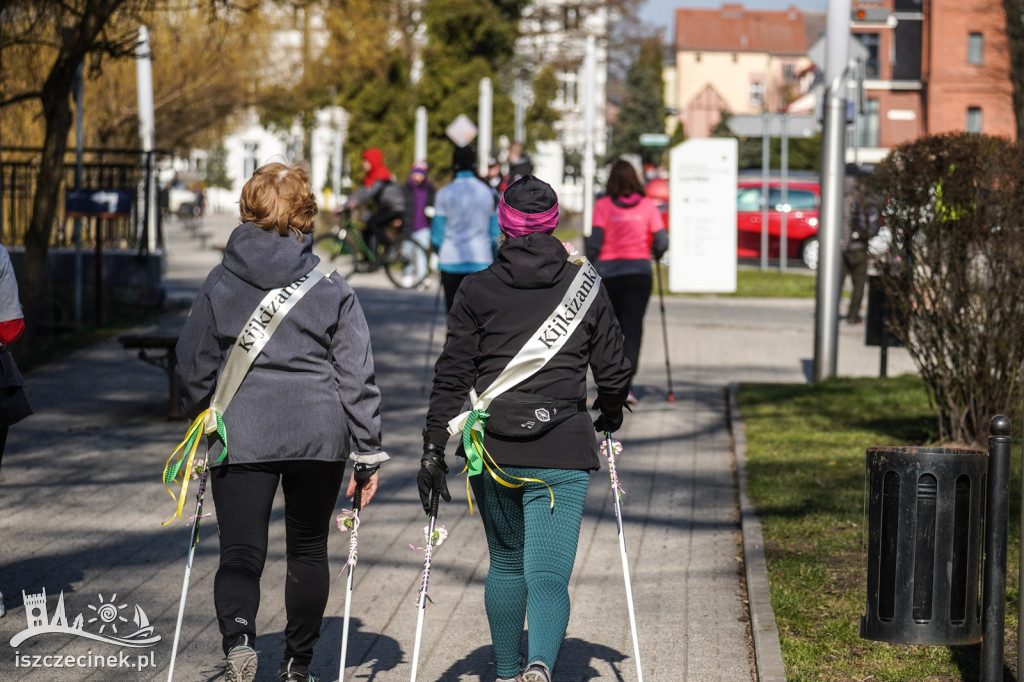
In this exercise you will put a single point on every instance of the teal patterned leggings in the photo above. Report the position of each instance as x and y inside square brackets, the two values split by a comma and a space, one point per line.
[532, 550]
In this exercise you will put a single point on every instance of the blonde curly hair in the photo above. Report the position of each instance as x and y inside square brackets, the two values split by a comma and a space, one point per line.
[279, 197]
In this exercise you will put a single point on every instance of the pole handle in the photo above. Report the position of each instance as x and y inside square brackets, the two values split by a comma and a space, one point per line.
[435, 501]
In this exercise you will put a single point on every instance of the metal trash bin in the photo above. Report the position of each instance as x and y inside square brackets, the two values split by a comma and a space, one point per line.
[925, 513]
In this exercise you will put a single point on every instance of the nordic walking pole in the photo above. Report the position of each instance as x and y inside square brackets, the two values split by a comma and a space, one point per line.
[430, 343]
[188, 566]
[421, 603]
[664, 332]
[356, 504]
[610, 454]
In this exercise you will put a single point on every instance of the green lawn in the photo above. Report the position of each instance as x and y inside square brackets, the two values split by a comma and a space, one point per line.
[752, 283]
[806, 471]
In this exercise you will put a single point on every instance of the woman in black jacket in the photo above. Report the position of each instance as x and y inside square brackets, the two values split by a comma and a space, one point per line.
[530, 490]
[307, 404]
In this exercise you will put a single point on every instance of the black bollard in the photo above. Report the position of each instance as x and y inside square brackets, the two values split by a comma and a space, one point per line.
[996, 510]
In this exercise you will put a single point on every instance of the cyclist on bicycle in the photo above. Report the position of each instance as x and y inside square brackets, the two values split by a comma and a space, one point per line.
[383, 196]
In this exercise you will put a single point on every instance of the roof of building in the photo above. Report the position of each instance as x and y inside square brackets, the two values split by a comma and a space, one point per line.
[735, 29]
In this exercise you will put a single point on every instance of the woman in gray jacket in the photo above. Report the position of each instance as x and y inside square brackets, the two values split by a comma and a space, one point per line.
[308, 403]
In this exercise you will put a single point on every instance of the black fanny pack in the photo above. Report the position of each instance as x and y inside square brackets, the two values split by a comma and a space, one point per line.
[515, 414]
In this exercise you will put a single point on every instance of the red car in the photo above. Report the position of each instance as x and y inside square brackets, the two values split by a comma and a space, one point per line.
[803, 199]
[657, 191]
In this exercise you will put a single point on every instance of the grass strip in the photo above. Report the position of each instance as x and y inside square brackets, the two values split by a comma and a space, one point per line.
[806, 471]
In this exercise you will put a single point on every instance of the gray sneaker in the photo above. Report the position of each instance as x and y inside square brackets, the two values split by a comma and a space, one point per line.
[241, 664]
[292, 672]
[537, 671]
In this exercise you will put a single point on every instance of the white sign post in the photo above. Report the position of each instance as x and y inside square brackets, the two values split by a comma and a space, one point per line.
[702, 229]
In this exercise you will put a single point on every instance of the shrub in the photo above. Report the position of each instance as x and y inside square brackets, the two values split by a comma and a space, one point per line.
[954, 273]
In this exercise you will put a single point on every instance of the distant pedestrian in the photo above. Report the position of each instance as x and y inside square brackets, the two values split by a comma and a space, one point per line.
[627, 232]
[860, 224]
[519, 163]
[464, 232]
[419, 209]
[494, 177]
[14, 405]
[531, 470]
[308, 403]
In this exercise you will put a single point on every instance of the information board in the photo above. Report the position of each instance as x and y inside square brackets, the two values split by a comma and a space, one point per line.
[702, 210]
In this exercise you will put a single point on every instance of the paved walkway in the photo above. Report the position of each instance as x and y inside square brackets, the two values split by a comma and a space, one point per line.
[81, 505]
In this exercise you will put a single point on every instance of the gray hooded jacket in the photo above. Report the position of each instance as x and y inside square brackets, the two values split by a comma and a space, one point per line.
[311, 393]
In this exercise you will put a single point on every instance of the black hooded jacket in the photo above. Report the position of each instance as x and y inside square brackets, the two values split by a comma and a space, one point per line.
[494, 313]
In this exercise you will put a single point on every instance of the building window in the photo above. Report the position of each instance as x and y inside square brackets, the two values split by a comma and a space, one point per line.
[567, 89]
[756, 94]
[572, 18]
[867, 125]
[974, 45]
[870, 43]
[788, 73]
[974, 119]
[249, 159]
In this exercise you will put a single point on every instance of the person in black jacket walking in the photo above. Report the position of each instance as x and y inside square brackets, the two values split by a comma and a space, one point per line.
[307, 403]
[531, 486]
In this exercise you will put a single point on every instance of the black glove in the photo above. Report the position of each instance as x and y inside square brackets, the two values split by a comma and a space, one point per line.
[609, 420]
[363, 472]
[432, 475]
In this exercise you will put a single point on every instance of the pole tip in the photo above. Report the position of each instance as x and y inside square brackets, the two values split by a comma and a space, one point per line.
[1000, 426]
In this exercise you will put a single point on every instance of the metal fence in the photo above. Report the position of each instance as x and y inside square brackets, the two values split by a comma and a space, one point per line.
[100, 169]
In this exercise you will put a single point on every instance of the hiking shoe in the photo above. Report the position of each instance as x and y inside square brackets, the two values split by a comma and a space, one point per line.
[241, 664]
[631, 399]
[290, 671]
[537, 671]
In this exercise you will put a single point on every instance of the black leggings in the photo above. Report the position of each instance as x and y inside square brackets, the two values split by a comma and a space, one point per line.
[244, 495]
[451, 281]
[630, 294]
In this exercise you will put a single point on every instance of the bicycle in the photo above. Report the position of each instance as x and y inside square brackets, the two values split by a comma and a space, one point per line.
[349, 252]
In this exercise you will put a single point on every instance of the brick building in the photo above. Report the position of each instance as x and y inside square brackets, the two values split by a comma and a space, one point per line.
[932, 67]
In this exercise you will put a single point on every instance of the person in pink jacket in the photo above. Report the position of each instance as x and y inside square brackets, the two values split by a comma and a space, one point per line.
[627, 232]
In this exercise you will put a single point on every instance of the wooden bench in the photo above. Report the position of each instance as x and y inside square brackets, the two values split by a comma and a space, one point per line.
[158, 350]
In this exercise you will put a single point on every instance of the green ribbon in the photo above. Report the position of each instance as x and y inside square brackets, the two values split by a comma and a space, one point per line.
[474, 458]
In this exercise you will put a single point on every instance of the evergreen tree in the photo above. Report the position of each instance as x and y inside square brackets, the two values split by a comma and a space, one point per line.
[642, 109]
[466, 41]
[541, 117]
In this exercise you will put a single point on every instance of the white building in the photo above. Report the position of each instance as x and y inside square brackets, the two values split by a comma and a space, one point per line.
[554, 33]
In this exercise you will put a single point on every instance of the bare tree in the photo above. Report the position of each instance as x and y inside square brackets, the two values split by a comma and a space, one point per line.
[953, 273]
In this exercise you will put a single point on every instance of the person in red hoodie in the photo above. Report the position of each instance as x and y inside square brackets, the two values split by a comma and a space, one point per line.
[627, 232]
[383, 196]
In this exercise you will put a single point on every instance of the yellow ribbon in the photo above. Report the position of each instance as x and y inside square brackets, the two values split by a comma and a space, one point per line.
[477, 443]
[208, 421]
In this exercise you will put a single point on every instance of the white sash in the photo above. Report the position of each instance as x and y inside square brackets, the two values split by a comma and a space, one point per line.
[543, 345]
[257, 331]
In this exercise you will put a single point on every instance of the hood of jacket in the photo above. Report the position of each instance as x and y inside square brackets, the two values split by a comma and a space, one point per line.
[268, 260]
[377, 171]
[533, 261]
[627, 200]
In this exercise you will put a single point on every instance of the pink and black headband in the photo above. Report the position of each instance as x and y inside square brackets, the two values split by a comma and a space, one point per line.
[528, 205]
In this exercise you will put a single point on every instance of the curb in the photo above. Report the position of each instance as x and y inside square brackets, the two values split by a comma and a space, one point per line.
[767, 650]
